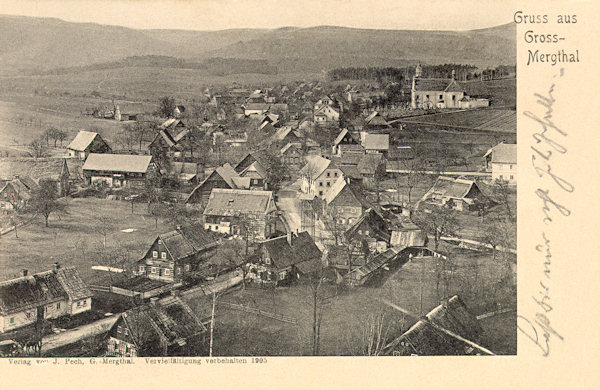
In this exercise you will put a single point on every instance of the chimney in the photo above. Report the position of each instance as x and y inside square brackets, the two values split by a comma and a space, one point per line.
[289, 238]
[23, 272]
[453, 74]
[178, 227]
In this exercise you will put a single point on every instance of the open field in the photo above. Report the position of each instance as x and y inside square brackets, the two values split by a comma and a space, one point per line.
[472, 275]
[503, 92]
[488, 119]
[37, 247]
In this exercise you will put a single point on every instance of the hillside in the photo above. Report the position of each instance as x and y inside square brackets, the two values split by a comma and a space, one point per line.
[29, 45]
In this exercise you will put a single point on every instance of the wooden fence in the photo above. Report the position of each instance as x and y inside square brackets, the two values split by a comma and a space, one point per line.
[253, 310]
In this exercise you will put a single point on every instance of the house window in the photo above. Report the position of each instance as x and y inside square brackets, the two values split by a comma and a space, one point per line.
[510, 166]
[167, 272]
[328, 174]
[142, 268]
[441, 97]
[511, 177]
[28, 315]
[178, 270]
[320, 192]
[187, 267]
[267, 260]
[153, 270]
[155, 254]
[328, 184]
[12, 320]
[501, 177]
[335, 174]
[163, 255]
[453, 97]
[58, 305]
[320, 184]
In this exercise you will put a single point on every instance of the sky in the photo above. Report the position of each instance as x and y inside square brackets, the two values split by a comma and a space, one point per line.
[225, 14]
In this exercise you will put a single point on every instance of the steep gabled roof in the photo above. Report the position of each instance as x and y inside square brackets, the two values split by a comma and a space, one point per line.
[301, 250]
[31, 291]
[186, 241]
[369, 163]
[228, 202]
[424, 339]
[376, 141]
[72, 283]
[449, 187]
[82, 140]
[129, 163]
[315, 166]
[503, 153]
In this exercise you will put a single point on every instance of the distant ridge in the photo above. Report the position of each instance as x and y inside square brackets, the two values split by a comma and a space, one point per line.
[39, 44]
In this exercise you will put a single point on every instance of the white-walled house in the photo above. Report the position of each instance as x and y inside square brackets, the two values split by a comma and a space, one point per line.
[318, 175]
[501, 160]
[44, 295]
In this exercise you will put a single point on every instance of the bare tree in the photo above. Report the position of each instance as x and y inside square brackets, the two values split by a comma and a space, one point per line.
[45, 201]
[103, 226]
[439, 222]
[37, 148]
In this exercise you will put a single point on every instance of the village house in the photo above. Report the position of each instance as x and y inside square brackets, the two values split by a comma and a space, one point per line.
[252, 109]
[171, 138]
[344, 203]
[326, 115]
[165, 327]
[222, 177]
[44, 295]
[177, 254]
[501, 160]
[457, 194]
[255, 165]
[117, 170]
[257, 176]
[241, 212]
[318, 175]
[15, 193]
[435, 93]
[345, 142]
[86, 142]
[292, 156]
[375, 122]
[286, 258]
[371, 228]
[371, 168]
[184, 172]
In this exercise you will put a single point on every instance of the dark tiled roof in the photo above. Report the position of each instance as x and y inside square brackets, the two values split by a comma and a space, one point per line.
[30, 291]
[72, 283]
[423, 339]
[303, 249]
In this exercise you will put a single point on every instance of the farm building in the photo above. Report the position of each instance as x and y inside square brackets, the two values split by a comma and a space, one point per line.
[86, 142]
[406, 234]
[184, 172]
[255, 109]
[15, 193]
[128, 111]
[375, 143]
[423, 338]
[371, 168]
[221, 177]
[285, 258]
[177, 254]
[456, 194]
[117, 170]
[166, 327]
[501, 160]
[361, 275]
[45, 295]
[228, 211]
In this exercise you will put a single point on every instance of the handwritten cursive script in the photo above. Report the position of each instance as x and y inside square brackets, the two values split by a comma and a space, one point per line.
[548, 144]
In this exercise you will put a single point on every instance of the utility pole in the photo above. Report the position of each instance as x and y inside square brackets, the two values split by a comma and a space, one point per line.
[212, 323]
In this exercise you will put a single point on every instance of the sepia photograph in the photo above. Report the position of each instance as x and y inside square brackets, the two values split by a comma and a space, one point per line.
[246, 180]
